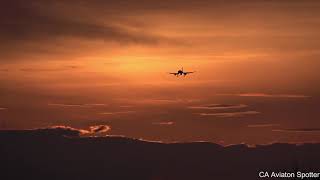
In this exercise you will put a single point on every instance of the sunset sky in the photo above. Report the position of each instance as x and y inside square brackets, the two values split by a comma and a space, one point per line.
[87, 63]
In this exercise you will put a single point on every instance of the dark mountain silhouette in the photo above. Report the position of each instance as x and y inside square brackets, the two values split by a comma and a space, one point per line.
[48, 154]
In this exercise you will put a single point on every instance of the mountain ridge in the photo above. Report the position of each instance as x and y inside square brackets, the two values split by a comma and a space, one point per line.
[56, 154]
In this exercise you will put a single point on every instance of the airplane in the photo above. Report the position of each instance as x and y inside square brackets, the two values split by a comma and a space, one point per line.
[181, 72]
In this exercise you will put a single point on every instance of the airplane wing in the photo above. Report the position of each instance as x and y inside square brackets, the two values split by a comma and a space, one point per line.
[189, 72]
[174, 73]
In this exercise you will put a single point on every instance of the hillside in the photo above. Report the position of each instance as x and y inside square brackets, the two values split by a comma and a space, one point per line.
[63, 154]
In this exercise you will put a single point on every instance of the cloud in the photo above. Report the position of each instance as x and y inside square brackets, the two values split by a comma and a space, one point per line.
[219, 106]
[75, 105]
[299, 130]
[117, 112]
[129, 21]
[39, 26]
[99, 129]
[156, 101]
[65, 68]
[161, 101]
[262, 125]
[126, 106]
[63, 131]
[34, 23]
[163, 123]
[267, 95]
[2, 108]
[230, 114]
[223, 107]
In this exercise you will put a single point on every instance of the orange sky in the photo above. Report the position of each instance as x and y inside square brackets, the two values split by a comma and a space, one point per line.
[107, 62]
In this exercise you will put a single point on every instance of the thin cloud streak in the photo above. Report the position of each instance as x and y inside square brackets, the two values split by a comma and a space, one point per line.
[118, 112]
[156, 101]
[262, 125]
[65, 68]
[219, 106]
[230, 114]
[163, 123]
[266, 95]
[76, 105]
[126, 106]
[299, 130]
